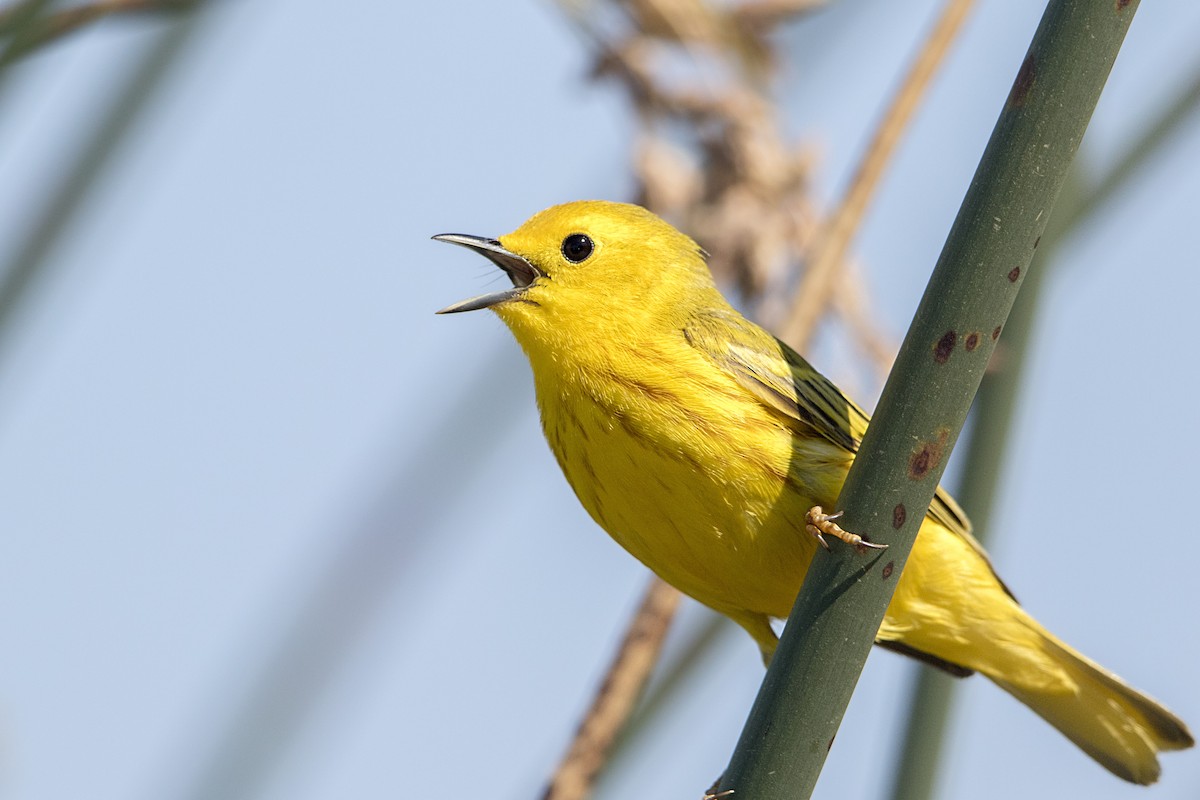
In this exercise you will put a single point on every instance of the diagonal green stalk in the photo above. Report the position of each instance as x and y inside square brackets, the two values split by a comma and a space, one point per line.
[926, 399]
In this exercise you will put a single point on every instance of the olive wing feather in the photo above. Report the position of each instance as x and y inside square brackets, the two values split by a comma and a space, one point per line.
[782, 380]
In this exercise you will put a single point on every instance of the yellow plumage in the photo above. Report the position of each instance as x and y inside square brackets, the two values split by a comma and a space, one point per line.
[699, 442]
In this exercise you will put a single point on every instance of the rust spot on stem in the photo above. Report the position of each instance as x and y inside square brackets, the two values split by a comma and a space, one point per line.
[918, 465]
[888, 568]
[1026, 77]
[1013, 274]
[944, 347]
[996, 333]
[899, 514]
[972, 341]
[927, 456]
[1122, 4]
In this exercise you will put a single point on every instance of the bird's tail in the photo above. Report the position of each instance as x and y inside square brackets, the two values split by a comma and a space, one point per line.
[951, 610]
[1123, 729]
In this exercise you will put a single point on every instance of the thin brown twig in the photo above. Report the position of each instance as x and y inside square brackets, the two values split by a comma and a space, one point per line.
[831, 244]
[615, 700]
[55, 26]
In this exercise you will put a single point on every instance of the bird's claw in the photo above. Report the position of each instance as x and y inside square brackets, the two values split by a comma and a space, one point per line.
[820, 525]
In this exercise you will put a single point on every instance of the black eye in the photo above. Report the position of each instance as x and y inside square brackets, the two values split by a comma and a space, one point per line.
[577, 247]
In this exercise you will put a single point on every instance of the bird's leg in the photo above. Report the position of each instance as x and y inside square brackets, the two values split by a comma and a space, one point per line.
[817, 522]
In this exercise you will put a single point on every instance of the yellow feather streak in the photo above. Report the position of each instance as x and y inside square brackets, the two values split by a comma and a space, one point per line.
[699, 442]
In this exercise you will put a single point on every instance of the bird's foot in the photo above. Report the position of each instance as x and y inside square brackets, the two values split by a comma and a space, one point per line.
[820, 525]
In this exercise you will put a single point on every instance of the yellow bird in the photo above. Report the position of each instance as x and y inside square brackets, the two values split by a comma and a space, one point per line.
[701, 443]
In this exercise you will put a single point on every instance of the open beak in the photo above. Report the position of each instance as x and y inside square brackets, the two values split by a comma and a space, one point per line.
[519, 271]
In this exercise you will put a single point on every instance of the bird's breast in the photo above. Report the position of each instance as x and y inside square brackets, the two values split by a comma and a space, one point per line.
[693, 478]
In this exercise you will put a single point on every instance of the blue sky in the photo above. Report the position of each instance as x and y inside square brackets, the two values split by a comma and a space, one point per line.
[231, 381]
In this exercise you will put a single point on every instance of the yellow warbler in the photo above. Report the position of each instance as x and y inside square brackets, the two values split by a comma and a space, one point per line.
[700, 443]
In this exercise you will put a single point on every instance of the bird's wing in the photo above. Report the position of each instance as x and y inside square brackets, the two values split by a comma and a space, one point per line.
[781, 379]
[777, 375]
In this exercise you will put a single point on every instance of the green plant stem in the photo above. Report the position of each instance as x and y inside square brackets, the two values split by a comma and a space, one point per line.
[925, 401]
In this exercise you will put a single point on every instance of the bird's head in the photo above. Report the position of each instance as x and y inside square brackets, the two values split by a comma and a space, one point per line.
[588, 268]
